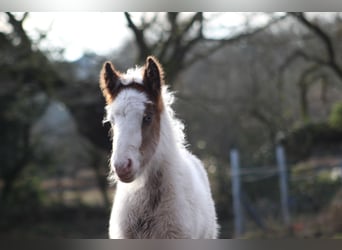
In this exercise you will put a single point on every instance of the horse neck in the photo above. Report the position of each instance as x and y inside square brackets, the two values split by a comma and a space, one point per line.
[168, 149]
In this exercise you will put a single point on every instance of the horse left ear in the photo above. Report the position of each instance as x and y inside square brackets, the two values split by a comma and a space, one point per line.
[153, 76]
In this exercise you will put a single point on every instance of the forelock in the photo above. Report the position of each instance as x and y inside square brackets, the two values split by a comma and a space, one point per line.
[134, 75]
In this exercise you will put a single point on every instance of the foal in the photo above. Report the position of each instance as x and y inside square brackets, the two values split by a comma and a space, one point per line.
[162, 189]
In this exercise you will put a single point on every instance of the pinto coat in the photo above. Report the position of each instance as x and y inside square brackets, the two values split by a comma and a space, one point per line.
[162, 189]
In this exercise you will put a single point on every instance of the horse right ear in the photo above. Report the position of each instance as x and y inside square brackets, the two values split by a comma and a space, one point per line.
[153, 76]
[109, 81]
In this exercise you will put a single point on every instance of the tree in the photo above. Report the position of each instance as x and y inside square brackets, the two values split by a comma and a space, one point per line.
[23, 79]
[329, 59]
[176, 37]
[315, 55]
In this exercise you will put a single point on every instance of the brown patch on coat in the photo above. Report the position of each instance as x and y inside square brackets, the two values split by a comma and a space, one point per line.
[150, 133]
[147, 221]
[155, 192]
[143, 223]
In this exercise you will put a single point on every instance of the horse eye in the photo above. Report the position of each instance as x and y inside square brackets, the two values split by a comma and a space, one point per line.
[147, 118]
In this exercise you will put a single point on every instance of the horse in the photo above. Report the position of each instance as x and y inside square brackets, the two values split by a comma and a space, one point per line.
[162, 190]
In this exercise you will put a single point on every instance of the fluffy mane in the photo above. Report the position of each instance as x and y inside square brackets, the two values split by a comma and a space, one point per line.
[133, 75]
[177, 125]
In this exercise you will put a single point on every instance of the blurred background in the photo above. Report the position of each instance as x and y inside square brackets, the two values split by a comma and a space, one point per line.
[260, 95]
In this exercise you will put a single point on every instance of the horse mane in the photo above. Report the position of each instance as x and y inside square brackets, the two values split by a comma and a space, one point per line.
[176, 124]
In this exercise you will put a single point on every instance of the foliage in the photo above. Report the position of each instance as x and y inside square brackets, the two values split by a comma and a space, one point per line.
[311, 195]
[27, 193]
[335, 119]
[22, 100]
[312, 137]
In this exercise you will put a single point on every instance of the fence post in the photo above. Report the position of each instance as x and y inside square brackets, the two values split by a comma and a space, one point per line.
[281, 162]
[236, 192]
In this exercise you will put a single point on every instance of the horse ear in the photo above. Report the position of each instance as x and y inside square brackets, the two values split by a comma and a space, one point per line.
[153, 76]
[109, 81]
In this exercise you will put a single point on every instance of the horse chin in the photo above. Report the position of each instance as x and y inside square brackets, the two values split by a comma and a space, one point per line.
[127, 178]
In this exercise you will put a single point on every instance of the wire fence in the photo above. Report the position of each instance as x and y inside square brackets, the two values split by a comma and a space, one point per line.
[243, 175]
[256, 174]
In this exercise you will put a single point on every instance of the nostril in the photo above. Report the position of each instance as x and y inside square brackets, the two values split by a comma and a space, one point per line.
[129, 164]
[124, 170]
[123, 167]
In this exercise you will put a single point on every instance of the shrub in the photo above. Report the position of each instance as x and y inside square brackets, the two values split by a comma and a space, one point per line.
[335, 118]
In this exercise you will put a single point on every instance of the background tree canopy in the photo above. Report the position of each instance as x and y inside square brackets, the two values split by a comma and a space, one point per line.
[274, 78]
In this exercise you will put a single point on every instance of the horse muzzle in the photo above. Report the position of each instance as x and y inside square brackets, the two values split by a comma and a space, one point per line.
[124, 170]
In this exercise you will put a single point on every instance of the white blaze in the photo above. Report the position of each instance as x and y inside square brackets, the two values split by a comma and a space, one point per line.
[126, 114]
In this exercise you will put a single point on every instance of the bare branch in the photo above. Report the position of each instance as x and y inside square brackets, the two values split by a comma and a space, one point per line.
[198, 17]
[177, 34]
[300, 54]
[319, 32]
[139, 36]
[24, 17]
[172, 18]
[223, 42]
[147, 24]
[19, 29]
[175, 44]
[326, 40]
